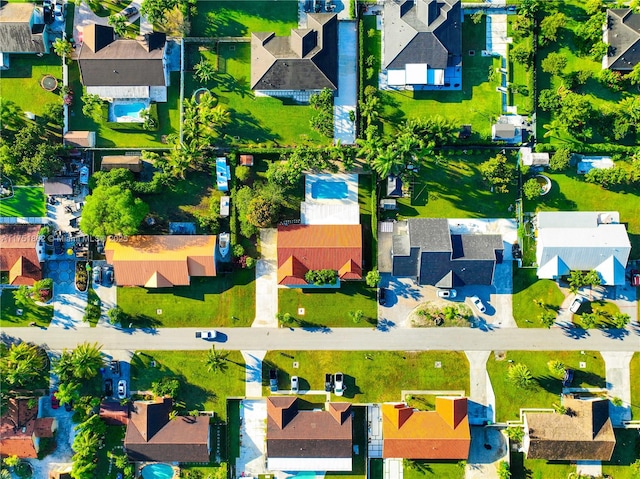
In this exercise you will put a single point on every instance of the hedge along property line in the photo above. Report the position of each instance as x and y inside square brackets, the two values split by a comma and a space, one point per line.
[374, 221]
[360, 41]
[603, 148]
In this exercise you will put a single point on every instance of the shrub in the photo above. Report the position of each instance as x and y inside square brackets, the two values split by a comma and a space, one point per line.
[237, 251]
[520, 375]
[560, 159]
[531, 189]
[243, 173]
[321, 277]
[556, 368]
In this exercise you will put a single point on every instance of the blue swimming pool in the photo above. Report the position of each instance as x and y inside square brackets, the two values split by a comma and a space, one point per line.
[157, 471]
[329, 190]
[128, 112]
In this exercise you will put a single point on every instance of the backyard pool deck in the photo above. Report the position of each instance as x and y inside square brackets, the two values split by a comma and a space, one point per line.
[326, 210]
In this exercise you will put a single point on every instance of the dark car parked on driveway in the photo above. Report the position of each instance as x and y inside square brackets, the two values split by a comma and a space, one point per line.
[108, 387]
[115, 367]
[328, 382]
[273, 380]
[382, 296]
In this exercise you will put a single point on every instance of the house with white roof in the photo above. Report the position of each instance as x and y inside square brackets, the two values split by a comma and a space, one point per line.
[582, 241]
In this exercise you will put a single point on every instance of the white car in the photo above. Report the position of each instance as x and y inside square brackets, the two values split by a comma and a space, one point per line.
[447, 293]
[338, 384]
[575, 306]
[122, 389]
[477, 302]
[294, 384]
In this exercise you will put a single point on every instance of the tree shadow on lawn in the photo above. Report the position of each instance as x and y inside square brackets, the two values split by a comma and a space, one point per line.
[141, 322]
[555, 199]
[221, 23]
[572, 331]
[247, 128]
[227, 83]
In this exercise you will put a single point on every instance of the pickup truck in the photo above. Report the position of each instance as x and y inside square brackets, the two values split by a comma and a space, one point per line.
[206, 334]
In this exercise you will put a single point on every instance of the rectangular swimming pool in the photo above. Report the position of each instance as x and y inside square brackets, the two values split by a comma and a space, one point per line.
[128, 112]
[329, 190]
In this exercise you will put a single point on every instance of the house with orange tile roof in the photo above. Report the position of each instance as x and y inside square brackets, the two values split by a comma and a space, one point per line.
[161, 261]
[18, 253]
[441, 434]
[21, 428]
[302, 248]
[308, 440]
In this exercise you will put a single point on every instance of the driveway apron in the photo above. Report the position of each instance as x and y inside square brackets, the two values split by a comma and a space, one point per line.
[253, 373]
[266, 280]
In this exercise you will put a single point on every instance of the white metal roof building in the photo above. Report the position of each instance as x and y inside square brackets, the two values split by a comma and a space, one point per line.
[582, 241]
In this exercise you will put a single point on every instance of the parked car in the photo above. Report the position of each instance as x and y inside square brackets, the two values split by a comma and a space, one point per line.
[635, 277]
[96, 275]
[211, 334]
[568, 378]
[57, 11]
[575, 306]
[55, 403]
[130, 12]
[115, 367]
[273, 380]
[107, 275]
[294, 384]
[447, 293]
[108, 387]
[122, 389]
[328, 382]
[338, 381]
[382, 296]
[478, 304]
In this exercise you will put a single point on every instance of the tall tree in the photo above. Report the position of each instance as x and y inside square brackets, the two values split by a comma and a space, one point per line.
[63, 49]
[155, 10]
[119, 24]
[204, 71]
[499, 172]
[22, 364]
[112, 211]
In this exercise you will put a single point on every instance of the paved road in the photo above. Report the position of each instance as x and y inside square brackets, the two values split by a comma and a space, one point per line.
[343, 339]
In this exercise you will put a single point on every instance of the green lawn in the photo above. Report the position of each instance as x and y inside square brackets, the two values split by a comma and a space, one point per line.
[627, 450]
[206, 302]
[371, 376]
[255, 120]
[27, 201]
[634, 371]
[199, 388]
[478, 103]
[366, 184]
[510, 399]
[168, 118]
[239, 19]
[181, 200]
[569, 192]
[434, 469]
[372, 46]
[527, 288]
[519, 75]
[522, 468]
[599, 95]
[330, 307]
[453, 188]
[113, 441]
[21, 83]
[9, 318]
[605, 307]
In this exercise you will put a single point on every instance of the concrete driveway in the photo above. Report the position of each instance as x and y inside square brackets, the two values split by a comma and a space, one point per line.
[488, 448]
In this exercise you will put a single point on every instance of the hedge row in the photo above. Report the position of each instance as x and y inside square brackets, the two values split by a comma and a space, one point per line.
[600, 148]
[374, 221]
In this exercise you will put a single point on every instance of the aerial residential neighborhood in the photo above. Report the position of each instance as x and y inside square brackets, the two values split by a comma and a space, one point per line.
[319, 239]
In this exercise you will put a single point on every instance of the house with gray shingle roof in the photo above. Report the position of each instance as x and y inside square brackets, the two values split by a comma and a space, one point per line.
[422, 42]
[622, 33]
[22, 30]
[123, 68]
[425, 249]
[307, 60]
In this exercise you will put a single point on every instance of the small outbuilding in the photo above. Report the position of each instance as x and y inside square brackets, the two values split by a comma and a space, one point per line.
[80, 139]
[58, 186]
[246, 160]
[131, 163]
[529, 158]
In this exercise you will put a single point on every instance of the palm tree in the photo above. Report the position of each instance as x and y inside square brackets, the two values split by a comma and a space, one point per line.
[11, 115]
[216, 360]
[63, 366]
[589, 320]
[204, 71]
[63, 49]
[576, 281]
[520, 376]
[118, 23]
[370, 145]
[87, 360]
[592, 278]
[22, 364]
[386, 161]
[554, 129]
[68, 392]
[369, 109]
[620, 320]
[356, 316]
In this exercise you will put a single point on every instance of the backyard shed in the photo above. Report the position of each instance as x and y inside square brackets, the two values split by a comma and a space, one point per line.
[246, 160]
[224, 206]
[80, 139]
[131, 163]
[529, 158]
[60, 186]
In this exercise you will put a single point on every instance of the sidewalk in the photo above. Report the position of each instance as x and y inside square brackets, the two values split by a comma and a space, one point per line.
[266, 281]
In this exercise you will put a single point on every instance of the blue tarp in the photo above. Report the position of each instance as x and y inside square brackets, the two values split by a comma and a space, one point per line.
[223, 173]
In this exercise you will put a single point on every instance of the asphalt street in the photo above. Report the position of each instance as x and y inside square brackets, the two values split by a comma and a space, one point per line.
[342, 339]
